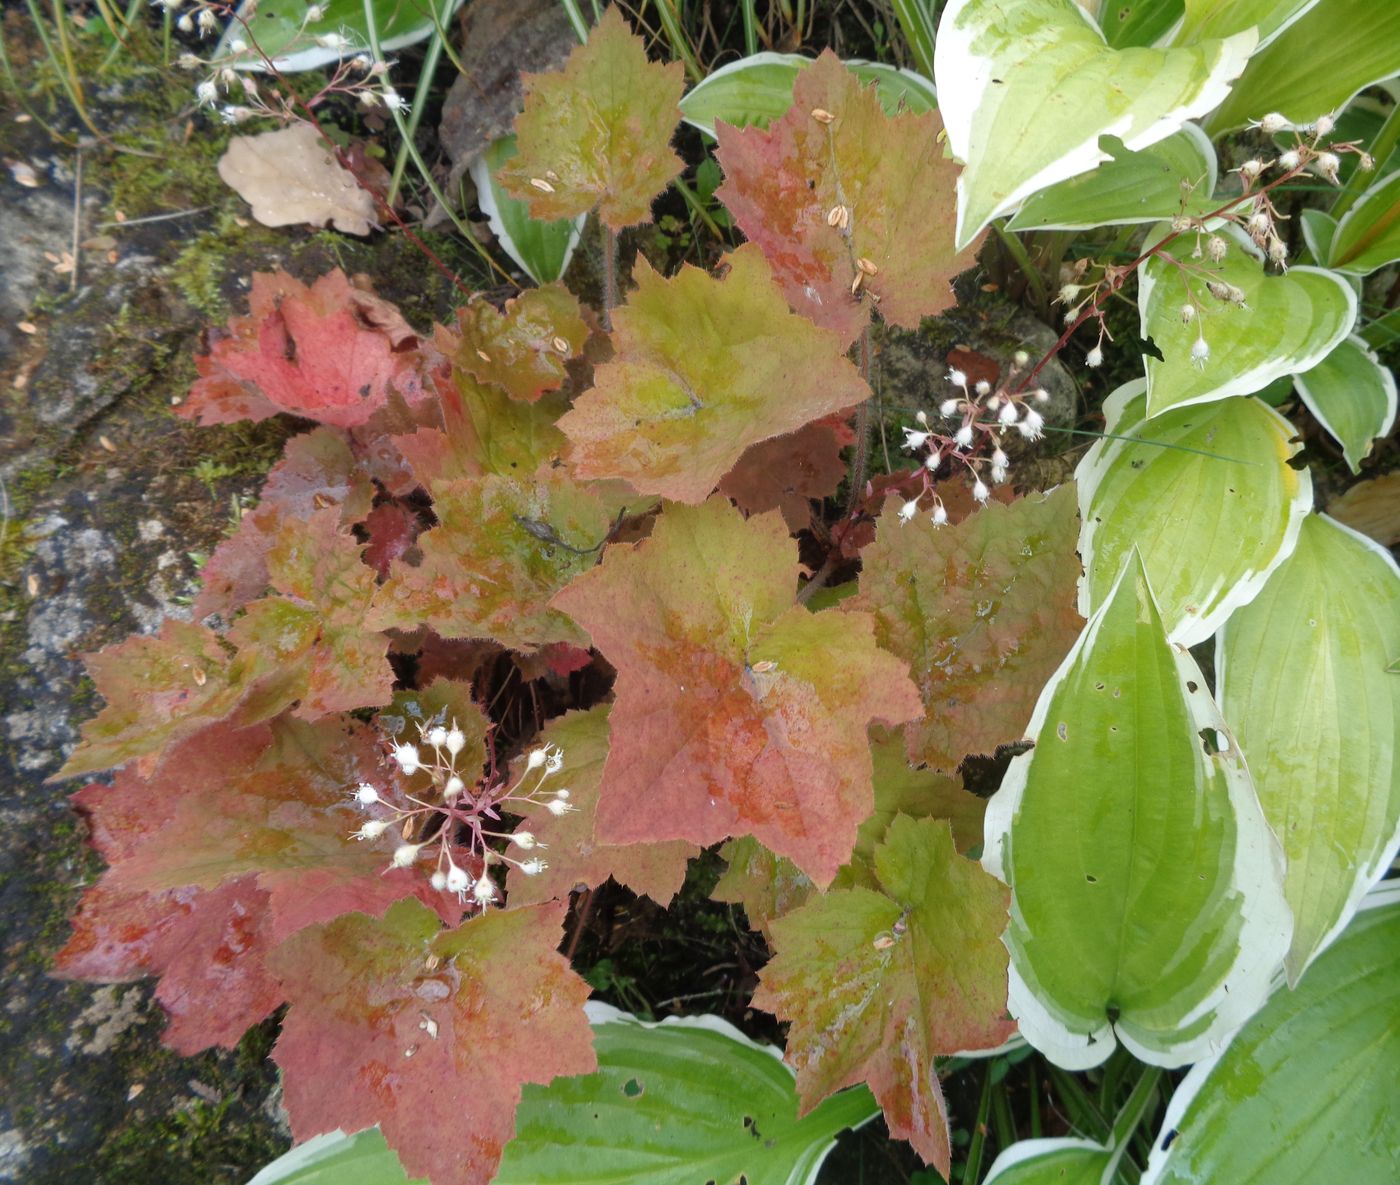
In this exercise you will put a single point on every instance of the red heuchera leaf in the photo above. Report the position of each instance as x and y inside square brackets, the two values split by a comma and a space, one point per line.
[888, 173]
[318, 470]
[502, 548]
[737, 712]
[879, 983]
[392, 529]
[331, 352]
[574, 856]
[599, 131]
[522, 348]
[158, 690]
[428, 1033]
[983, 612]
[704, 368]
[787, 472]
[313, 643]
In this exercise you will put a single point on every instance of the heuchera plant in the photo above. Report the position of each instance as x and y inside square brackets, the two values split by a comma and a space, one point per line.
[314, 805]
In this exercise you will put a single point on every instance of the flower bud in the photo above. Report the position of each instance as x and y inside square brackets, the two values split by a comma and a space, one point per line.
[372, 829]
[1041, 395]
[484, 891]
[958, 378]
[524, 839]
[536, 759]
[914, 438]
[921, 417]
[454, 788]
[980, 491]
[408, 757]
[1068, 292]
[1200, 352]
[437, 737]
[1259, 223]
[1188, 313]
[1290, 160]
[185, 24]
[558, 807]
[1324, 125]
[365, 794]
[1216, 248]
[1021, 358]
[1007, 415]
[1273, 123]
[949, 407]
[1326, 165]
[908, 510]
[455, 741]
[533, 867]
[1278, 250]
[457, 880]
[438, 880]
[983, 388]
[405, 854]
[963, 436]
[933, 461]
[940, 515]
[1251, 169]
[1094, 358]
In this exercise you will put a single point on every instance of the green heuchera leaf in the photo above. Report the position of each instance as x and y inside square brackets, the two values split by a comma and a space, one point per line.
[1027, 87]
[542, 248]
[687, 1100]
[1207, 19]
[704, 368]
[598, 132]
[1287, 323]
[1130, 187]
[889, 174]
[1316, 64]
[284, 34]
[1306, 1091]
[522, 348]
[758, 89]
[1353, 397]
[1147, 889]
[878, 982]
[1368, 236]
[1205, 494]
[736, 711]
[1303, 681]
[1043, 1162]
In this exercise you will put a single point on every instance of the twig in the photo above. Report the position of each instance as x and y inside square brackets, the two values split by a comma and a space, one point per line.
[153, 218]
[580, 920]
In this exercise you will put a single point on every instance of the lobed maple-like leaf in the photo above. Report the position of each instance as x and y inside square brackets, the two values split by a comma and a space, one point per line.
[429, 1033]
[888, 173]
[787, 472]
[502, 549]
[522, 348]
[769, 886]
[704, 368]
[737, 711]
[598, 132]
[574, 856]
[983, 612]
[332, 352]
[392, 529]
[311, 644]
[318, 470]
[879, 982]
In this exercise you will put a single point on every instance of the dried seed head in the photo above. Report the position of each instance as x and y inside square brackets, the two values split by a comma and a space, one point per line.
[1216, 248]
[821, 115]
[866, 266]
[857, 282]
[541, 184]
[560, 345]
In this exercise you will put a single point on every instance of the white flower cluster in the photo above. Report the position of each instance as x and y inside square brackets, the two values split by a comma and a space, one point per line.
[432, 806]
[983, 418]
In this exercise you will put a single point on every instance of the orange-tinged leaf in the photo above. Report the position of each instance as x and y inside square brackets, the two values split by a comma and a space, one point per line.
[704, 368]
[788, 472]
[737, 712]
[766, 885]
[502, 548]
[429, 1033]
[598, 132]
[573, 854]
[523, 347]
[887, 173]
[983, 612]
[879, 982]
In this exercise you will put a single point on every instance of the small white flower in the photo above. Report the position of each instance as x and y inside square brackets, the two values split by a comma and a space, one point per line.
[371, 829]
[1008, 413]
[1324, 125]
[908, 510]
[1216, 248]
[1068, 292]
[1188, 313]
[1278, 250]
[1041, 395]
[1020, 358]
[437, 737]
[983, 388]
[237, 45]
[365, 794]
[455, 741]
[438, 880]
[1327, 164]
[958, 378]
[484, 891]
[998, 474]
[921, 417]
[980, 491]
[394, 101]
[557, 807]
[231, 114]
[1273, 123]
[408, 757]
[536, 759]
[185, 24]
[999, 458]
[555, 762]
[207, 93]
[914, 438]
[1290, 160]
[949, 407]
[533, 867]
[405, 854]
[454, 787]
[458, 881]
[208, 22]
[188, 61]
[524, 839]
[1031, 425]
[963, 436]
[940, 515]
[561, 794]
[333, 41]
[1200, 352]
[1094, 358]
[314, 14]
[933, 461]
[1251, 169]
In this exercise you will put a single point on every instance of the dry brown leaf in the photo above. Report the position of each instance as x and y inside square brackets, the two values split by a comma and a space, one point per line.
[290, 176]
[1371, 507]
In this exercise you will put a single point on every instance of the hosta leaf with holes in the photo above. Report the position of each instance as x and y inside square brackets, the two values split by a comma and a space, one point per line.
[501, 549]
[429, 1033]
[1316, 64]
[758, 89]
[1027, 87]
[522, 348]
[1368, 236]
[1207, 19]
[704, 368]
[736, 711]
[1286, 323]
[1147, 889]
[573, 854]
[541, 247]
[1303, 682]
[1158, 182]
[598, 132]
[1205, 494]
[879, 982]
[1137, 22]
[983, 612]
[890, 176]
[1305, 1092]
[1353, 397]
[1062, 1161]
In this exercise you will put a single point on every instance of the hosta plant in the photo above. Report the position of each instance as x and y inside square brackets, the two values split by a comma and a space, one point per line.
[630, 516]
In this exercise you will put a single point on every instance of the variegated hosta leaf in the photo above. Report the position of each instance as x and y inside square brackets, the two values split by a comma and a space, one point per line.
[1206, 19]
[1352, 395]
[1147, 902]
[543, 249]
[1368, 236]
[1130, 187]
[1206, 495]
[1050, 1162]
[1303, 682]
[1285, 324]
[1027, 87]
[1306, 1090]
